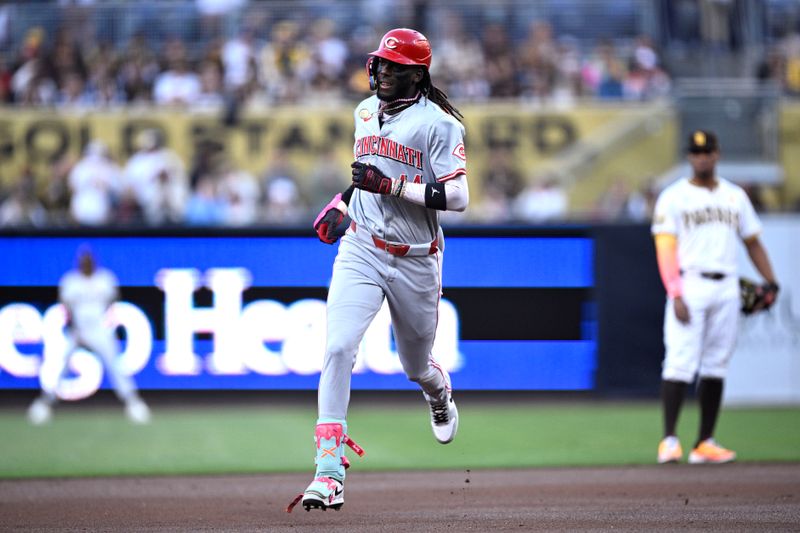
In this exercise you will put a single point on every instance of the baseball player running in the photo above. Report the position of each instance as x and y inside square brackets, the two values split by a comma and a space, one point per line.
[86, 294]
[409, 164]
[696, 224]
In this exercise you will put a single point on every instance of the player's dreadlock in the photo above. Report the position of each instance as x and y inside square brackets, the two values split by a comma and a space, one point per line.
[437, 96]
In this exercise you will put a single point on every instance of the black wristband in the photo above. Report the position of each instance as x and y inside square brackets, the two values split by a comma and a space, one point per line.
[434, 196]
[347, 194]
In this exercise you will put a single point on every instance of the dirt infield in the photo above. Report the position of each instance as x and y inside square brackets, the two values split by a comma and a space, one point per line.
[738, 497]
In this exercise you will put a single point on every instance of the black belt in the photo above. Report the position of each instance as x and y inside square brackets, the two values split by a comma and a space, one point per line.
[716, 276]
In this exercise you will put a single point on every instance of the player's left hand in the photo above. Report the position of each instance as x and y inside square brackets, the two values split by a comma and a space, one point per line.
[369, 178]
[770, 294]
[329, 219]
[756, 297]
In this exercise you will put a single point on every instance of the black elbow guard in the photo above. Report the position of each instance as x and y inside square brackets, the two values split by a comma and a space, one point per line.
[434, 196]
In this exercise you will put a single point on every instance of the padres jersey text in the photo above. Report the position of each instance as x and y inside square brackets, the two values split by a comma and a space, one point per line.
[707, 223]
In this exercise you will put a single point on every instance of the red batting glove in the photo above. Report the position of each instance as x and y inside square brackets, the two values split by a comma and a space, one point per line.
[329, 218]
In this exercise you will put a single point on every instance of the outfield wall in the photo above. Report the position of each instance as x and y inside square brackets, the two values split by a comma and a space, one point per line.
[541, 309]
[766, 365]
[247, 311]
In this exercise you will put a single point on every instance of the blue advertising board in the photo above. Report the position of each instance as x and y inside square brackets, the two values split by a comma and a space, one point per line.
[248, 312]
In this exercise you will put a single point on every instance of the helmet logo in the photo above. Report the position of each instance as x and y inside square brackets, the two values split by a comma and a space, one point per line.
[390, 43]
[700, 138]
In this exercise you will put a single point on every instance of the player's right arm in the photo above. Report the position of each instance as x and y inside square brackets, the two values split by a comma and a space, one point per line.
[65, 296]
[665, 233]
[668, 267]
[670, 271]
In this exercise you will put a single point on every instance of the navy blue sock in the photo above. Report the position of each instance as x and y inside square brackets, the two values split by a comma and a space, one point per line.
[672, 393]
[709, 393]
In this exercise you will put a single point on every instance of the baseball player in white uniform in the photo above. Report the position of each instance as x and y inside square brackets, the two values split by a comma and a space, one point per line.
[696, 225]
[410, 164]
[86, 294]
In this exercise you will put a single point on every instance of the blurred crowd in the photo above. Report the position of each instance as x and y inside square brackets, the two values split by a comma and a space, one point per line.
[781, 64]
[154, 187]
[285, 61]
[267, 61]
[543, 67]
[264, 61]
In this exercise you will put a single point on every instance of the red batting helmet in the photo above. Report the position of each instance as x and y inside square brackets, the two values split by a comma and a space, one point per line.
[403, 46]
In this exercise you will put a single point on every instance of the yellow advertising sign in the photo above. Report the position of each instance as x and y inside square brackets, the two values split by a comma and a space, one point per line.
[789, 152]
[533, 138]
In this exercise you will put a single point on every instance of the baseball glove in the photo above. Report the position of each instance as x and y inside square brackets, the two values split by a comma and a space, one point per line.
[756, 297]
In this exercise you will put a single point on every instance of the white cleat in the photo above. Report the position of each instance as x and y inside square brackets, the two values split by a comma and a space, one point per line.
[324, 493]
[137, 412]
[444, 419]
[669, 450]
[40, 412]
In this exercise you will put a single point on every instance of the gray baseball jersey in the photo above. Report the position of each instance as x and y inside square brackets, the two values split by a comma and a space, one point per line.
[421, 144]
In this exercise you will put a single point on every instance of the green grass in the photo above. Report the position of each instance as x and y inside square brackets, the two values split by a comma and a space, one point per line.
[255, 439]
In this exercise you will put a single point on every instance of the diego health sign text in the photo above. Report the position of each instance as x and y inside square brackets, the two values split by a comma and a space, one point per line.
[244, 312]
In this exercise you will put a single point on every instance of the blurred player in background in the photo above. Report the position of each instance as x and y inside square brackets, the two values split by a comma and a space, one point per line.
[697, 224]
[410, 166]
[86, 294]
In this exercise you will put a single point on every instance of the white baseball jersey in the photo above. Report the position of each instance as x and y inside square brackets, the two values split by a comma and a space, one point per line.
[88, 297]
[422, 144]
[707, 223]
